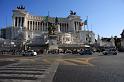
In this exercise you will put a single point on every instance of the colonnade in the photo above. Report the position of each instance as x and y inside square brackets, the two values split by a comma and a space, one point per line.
[77, 26]
[19, 22]
[43, 26]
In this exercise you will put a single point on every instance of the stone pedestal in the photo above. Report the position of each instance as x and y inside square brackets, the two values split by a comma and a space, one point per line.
[53, 42]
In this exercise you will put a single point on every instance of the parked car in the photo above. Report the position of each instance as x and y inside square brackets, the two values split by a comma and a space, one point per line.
[86, 52]
[68, 52]
[29, 53]
[52, 51]
[110, 51]
[74, 52]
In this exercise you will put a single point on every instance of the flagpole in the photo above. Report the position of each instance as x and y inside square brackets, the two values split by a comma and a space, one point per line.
[91, 27]
[84, 27]
[87, 22]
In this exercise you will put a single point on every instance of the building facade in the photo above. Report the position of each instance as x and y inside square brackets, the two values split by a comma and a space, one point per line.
[107, 42]
[34, 29]
[87, 37]
[22, 19]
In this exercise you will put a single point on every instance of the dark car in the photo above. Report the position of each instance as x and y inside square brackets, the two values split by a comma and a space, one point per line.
[86, 52]
[110, 51]
[75, 51]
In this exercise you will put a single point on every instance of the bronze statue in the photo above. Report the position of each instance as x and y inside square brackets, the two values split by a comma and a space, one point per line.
[21, 7]
[56, 20]
[72, 13]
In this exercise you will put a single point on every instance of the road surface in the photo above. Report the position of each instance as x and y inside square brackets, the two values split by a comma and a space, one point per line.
[97, 68]
[62, 68]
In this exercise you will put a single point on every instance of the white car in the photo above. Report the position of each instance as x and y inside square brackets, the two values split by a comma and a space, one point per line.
[29, 53]
[35, 53]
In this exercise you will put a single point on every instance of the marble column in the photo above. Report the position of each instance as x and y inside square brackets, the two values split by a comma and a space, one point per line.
[29, 26]
[41, 26]
[37, 25]
[14, 21]
[20, 21]
[17, 21]
[33, 26]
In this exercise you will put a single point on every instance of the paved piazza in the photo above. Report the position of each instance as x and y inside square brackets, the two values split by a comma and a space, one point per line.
[26, 69]
[97, 68]
[62, 68]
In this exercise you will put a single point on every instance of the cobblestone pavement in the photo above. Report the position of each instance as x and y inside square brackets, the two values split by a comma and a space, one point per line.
[102, 69]
[31, 69]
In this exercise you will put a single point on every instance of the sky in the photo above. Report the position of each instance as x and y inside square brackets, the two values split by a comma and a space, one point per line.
[105, 17]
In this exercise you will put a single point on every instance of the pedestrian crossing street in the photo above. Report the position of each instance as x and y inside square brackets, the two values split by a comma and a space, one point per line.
[24, 72]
